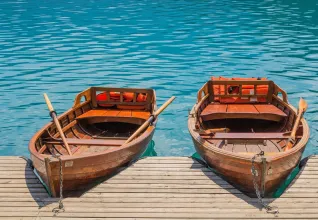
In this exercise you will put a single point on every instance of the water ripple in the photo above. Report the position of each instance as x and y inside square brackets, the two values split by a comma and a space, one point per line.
[172, 46]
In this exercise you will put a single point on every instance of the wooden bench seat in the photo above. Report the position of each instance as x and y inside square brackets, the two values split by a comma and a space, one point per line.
[248, 136]
[244, 111]
[115, 113]
[96, 142]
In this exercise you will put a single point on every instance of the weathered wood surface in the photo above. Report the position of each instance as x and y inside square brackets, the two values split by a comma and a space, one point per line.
[154, 188]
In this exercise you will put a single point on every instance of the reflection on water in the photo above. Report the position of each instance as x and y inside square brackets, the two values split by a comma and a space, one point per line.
[150, 151]
[63, 47]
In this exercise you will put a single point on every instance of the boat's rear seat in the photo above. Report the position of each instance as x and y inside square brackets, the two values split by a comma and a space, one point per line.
[115, 113]
[244, 111]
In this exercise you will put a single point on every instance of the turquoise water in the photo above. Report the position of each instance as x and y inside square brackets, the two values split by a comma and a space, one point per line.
[63, 47]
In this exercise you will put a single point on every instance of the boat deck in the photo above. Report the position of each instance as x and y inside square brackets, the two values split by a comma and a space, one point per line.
[154, 188]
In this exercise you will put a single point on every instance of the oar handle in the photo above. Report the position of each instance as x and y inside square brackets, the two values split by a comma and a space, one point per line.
[48, 103]
[149, 120]
[57, 123]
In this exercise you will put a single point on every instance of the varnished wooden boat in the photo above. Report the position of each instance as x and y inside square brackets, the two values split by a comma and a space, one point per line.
[234, 119]
[96, 128]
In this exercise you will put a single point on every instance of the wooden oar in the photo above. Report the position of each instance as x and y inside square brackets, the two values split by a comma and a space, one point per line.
[301, 110]
[56, 121]
[150, 120]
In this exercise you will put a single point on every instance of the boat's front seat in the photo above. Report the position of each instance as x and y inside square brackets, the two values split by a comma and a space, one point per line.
[115, 113]
[244, 111]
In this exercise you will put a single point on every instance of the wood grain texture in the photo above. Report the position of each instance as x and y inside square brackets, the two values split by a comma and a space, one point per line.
[257, 111]
[147, 198]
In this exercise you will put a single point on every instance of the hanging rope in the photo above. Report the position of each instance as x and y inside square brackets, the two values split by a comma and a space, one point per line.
[268, 208]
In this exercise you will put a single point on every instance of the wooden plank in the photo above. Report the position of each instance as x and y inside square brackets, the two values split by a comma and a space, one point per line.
[212, 109]
[137, 210]
[17, 172]
[309, 168]
[178, 169]
[242, 108]
[93, 113]
[220, 200]
[22, 190]
[228, 147]
[24, 195]
[158, 190]
[19, 176]
[162, 195]
[187, 165]
[165, 173]
[15, 168]
[17, 161]
[163, 186]
[303, 190]
[156, 161]
[166, 177]
[161, 215]
[11, 158]
[167, 181]
[18, 181]
[112, 113]
[124, 113]
[206, 205]
[15, 165]
[247, 136]
[299, 195]
[140, 114]
[253, 148]
[269, 109]
[95, 142]
[239, 148]
[21, 185]
[166, 158]
[309, 172]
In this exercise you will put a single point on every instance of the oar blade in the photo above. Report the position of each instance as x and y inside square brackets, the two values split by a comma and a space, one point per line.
[303, 104]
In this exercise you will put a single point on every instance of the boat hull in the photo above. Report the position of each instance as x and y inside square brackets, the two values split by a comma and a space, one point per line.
[80, 172]
[237, 171]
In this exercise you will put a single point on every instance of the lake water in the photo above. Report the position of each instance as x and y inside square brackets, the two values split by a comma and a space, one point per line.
[63, 47]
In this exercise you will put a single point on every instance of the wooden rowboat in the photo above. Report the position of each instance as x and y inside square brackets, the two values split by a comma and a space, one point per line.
[235, 119]
[96, 129]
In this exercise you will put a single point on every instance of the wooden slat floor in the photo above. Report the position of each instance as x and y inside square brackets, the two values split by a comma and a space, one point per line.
[154, 188]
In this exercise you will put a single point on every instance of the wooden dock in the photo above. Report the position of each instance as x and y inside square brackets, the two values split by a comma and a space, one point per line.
[154, 188]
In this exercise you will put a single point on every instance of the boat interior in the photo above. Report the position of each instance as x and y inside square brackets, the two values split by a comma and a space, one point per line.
[245, 116]
[101, 119]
